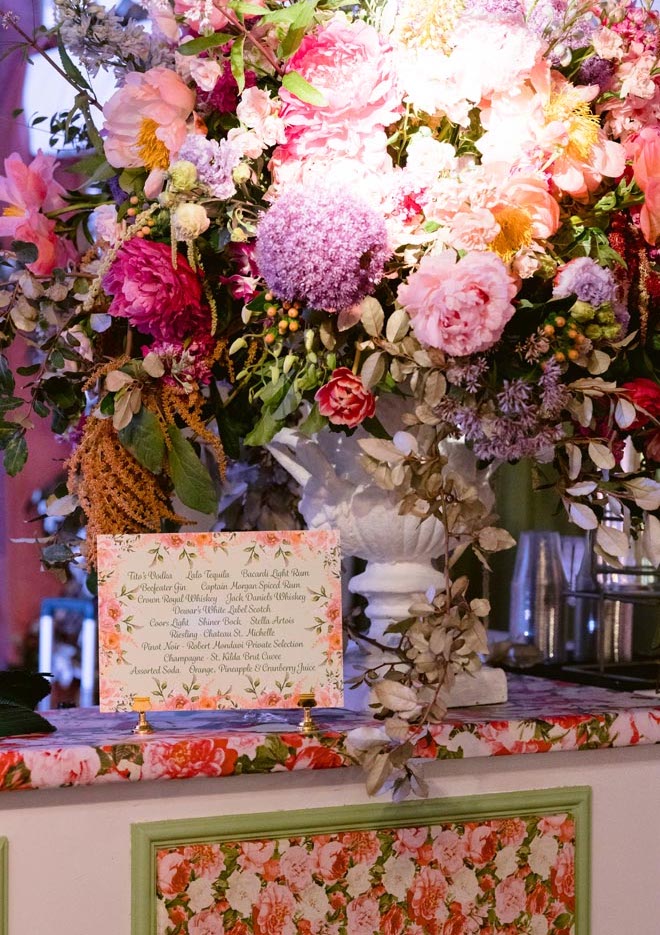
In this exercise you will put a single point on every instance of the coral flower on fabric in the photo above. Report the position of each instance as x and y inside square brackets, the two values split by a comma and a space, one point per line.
[157, 299]
[460, 308]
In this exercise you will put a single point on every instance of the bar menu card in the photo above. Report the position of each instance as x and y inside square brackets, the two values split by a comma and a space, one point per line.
[219, 620]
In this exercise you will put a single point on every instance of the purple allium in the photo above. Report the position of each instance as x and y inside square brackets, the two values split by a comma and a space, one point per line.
[596, 70]
[157, 299]
[322, 246]
[214, 162]
[587, 280]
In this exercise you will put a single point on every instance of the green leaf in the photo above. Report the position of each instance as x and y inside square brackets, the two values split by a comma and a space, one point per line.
[294, 82]
[374, 428]
[297, 14]
[237, 63]
[10, 402]
[247, 9]
[15, 455]
[7, 382]
[314, 422]
[201, 44]
[264, 431]
[28, 371]
[288, 405]
[143, 437]
[25, 252]
[192, 482]
[68, 66]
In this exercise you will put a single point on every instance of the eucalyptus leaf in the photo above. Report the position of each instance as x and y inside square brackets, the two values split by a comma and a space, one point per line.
[192, 482]
[203, 43]
[25, 251]
[15, 455]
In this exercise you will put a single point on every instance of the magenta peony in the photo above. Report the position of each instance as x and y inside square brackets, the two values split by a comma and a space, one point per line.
[157, 299]
[460, 308]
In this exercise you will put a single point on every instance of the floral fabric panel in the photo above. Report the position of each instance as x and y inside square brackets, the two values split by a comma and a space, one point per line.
[540, 716]
[499, 877]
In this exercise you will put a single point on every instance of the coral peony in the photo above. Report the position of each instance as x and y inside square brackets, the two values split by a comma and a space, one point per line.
[28, 188]
[645, 149]
[460, 308]
[344, 400]
[159, 300]
[321, 246]
[145, 120]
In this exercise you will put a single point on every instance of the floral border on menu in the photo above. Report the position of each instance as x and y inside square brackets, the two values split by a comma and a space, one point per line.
[90, 748]
[495, 864]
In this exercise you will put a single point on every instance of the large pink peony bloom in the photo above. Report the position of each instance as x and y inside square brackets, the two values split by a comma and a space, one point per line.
[351, 65]
[645, 151]
[29, 190]
[159, 300]
[26, 189]
[145, 120]
[460, 308]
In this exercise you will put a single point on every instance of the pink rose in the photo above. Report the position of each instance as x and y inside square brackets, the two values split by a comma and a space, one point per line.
[363, 915]
[409, 841]
[426, 899]
[70, 766]
[449, 850]
[255, 854]
[273, 912]
[344, 400]
[331, 860]
[157, 299]
[173, 871]
[509, 899]
[207, 922]
[460, 308]
[364, 846]
[510, 831]
[563, 876]
[296, 867]
[481, 844]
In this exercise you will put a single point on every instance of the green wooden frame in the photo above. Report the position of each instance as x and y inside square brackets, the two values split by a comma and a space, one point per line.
[4, 888]
[149, 837]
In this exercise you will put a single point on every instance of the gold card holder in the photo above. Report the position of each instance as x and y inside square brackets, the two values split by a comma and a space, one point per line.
[142, 704]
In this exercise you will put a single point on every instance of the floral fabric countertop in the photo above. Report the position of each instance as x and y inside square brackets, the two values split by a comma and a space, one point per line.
[88, 747]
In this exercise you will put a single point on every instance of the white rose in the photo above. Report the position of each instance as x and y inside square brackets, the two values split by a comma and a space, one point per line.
[398, 876]
[506, 862]
[314, 903]
[538, 925]
[241, 894]
[543, 854]
[200, 894]
[465, 887]
[189, 221]
[357, 880]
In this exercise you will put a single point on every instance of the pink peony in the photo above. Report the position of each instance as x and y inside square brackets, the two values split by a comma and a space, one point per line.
[53, 251]
[646, 169]
[460, 308]
[363, 915]
[157, 299]
[344, 400]
[351, 65]
[426, 897]
[145, 120]
[510, 899]
[173, 872]
[27, 189]
[296, 867]
[207, 922]
[274, 911]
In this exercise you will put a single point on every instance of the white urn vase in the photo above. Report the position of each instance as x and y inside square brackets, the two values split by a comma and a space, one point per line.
[399, 549]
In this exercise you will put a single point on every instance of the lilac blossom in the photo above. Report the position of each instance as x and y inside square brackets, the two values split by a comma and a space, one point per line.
[322, 246]
[469, 374]
[586, 279]
[596, 70]
[215, 161]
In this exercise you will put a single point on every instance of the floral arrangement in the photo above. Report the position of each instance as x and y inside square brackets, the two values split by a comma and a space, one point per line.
[287, 211]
